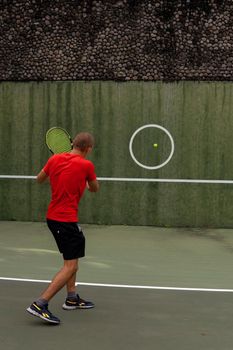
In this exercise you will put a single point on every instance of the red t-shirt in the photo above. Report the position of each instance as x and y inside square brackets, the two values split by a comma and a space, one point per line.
[68, 174]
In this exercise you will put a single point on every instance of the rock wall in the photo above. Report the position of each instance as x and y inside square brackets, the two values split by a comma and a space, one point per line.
[165, 40]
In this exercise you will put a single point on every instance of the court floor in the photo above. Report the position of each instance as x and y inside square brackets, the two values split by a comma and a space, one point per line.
[154, 288]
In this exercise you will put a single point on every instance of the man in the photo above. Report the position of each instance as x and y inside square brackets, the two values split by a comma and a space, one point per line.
[69, 174]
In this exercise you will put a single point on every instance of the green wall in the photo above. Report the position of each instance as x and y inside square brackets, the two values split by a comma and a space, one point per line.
[199, 116]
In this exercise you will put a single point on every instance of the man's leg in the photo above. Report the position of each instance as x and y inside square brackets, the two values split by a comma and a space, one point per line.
[70, 285]
[65, 276]
[73, 300]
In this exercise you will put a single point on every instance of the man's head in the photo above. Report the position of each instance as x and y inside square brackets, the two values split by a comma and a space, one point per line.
[83, 142]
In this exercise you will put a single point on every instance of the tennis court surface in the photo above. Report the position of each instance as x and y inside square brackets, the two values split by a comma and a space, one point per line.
[154, 288]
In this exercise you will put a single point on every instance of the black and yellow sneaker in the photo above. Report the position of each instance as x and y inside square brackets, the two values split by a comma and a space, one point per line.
[78, 303]
[43, 313]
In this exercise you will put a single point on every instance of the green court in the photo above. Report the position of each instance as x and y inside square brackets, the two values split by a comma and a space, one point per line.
[154, 288]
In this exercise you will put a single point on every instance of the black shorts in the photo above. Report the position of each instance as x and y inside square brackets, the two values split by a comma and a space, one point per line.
[69, 238]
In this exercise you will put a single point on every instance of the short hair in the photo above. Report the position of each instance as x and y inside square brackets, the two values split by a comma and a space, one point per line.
[83, 140]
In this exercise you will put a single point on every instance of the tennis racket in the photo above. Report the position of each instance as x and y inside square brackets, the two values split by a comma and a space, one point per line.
[58, 140]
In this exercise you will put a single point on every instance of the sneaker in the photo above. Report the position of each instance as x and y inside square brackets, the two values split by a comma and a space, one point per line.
[43, 313]
[72, 304]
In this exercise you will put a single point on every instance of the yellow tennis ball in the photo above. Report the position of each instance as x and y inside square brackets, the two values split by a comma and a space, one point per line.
[155, 145]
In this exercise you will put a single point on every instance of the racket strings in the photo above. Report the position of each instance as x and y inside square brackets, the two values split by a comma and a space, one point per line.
[58, 141]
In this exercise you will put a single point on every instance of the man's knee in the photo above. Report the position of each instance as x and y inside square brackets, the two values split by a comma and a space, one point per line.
[71, 266]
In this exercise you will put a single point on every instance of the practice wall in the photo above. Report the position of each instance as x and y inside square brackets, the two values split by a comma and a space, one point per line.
[199, 117]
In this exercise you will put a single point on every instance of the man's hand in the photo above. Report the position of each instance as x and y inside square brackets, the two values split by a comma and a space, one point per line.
[93, 186]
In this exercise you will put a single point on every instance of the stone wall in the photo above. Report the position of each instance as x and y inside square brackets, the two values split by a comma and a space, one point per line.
[123, 40]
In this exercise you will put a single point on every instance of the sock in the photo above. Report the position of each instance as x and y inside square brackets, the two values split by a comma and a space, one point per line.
[72, 295]
[42, 302]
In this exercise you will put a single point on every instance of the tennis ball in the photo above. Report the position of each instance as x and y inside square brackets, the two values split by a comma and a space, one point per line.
[155, 145]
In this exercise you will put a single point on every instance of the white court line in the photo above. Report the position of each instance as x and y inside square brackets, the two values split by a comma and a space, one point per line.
[134, 179]
[125, 286]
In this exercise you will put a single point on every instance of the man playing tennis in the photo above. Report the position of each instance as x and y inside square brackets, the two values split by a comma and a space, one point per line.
[69, 174]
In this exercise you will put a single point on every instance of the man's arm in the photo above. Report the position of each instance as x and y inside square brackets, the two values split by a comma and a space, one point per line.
[41, 177]
[93, 186]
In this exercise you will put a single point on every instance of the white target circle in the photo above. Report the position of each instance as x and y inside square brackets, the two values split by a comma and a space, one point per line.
[151, 126]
